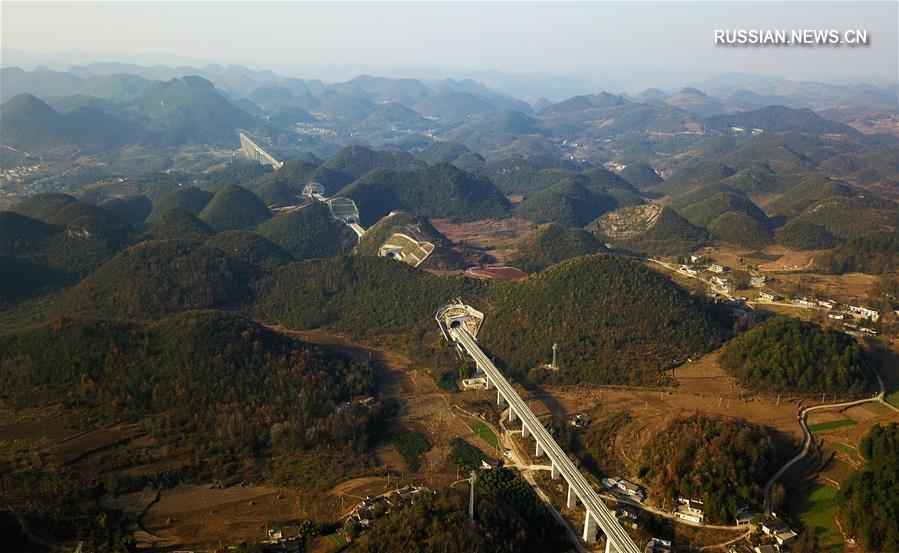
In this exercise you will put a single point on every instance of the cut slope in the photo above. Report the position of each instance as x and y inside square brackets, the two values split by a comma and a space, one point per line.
[650, 229]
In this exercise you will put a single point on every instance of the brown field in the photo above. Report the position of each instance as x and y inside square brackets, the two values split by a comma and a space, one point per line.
[204, 516]
[485, 233]
[501, 273]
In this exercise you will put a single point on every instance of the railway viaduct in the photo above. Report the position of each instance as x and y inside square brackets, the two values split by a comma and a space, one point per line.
[254, 151]
[460, 324]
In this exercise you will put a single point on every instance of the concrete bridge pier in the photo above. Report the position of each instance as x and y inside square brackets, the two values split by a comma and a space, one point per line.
[499, 398]
[539, 451]
[609, 547]
[554, 471]
[512, 416]
[572, 497]
[487, 380]
[589, 528]
[525, 433]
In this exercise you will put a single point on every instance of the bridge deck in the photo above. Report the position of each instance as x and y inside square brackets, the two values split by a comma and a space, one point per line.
[615, 534]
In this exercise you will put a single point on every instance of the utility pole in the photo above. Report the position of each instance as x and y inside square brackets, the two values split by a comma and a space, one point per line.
[474, 476]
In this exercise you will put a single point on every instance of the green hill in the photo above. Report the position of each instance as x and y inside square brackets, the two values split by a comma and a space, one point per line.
[189, 198]
[364, 297]
[178, 223]
[567, 203]
[641, 175]
[870, 508]
[454, 107]
[739, 228]
[356, 161]
[805, 193]
[442, 151]
[854, 216]
[238, 171]
[233, 208]
[43, 206]
[190, 110]
[873, 253]
[802, 235]
[615, 321]
[281, 186]
[251, 248]
[309, 232]
[780, 119]
[703, 172]
[30, 124]
[705, 211]
[132, 209]
[495, 130]
[756, 181]
[550, 244]
[790, 355]
[69, 251]
[435, 191]
[277, 191]
[161, 277]
[649, 229]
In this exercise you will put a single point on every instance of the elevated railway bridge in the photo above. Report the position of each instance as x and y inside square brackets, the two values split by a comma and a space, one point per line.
[460, 324]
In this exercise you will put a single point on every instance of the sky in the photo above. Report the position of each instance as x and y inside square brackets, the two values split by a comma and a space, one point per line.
[632, 45]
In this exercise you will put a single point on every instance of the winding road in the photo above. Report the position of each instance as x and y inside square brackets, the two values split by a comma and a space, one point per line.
[807, 440]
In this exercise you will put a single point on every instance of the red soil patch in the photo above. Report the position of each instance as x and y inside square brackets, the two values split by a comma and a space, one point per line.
[502, 273]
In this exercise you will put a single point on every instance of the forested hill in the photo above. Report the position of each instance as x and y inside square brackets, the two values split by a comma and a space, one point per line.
[791, 355]
[435, 191]
[187, 378]
[870, 507]
[614, 320]
[706, 458]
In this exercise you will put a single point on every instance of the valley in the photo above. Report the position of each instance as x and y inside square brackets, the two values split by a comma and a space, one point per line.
[252, 312]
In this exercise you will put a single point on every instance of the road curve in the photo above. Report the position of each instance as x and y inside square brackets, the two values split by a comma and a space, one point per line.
[807, 440]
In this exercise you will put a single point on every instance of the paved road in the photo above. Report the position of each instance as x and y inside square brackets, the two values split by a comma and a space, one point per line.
[807, 440]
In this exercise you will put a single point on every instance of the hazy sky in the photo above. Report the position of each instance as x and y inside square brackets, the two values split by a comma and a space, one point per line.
[618, 42]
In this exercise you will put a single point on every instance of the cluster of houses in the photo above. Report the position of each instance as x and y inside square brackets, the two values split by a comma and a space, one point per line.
[858, 312]
[621, 487]
[694, 266]
[771, 536]
[373, 508]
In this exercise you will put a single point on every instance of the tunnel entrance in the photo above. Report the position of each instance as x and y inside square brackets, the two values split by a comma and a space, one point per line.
[456, 324]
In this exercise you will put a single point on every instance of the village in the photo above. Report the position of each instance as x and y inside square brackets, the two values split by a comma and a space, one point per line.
[723, 288]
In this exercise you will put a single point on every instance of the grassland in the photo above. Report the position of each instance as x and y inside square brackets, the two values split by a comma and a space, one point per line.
[893, 398]
[830, 425]
[817, 509]
[485, 433]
